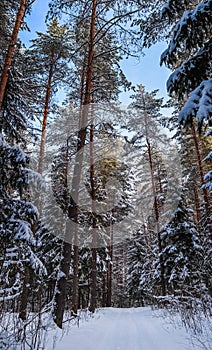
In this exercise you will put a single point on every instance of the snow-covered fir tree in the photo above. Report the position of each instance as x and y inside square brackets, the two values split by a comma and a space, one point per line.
[18, 223]
[182, 255]
[18, 216]
[191, 80]
[137, 256]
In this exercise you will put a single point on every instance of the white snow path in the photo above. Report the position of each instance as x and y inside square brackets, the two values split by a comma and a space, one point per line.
[124, 329]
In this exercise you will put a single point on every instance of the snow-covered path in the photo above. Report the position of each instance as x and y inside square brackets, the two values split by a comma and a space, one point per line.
[124, 329]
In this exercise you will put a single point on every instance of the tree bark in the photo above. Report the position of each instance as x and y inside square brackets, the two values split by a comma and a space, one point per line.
[73, 211]
[197, 206]
[92, 306]
[24, 295]
[156, 210]
[201, 173]
[75, 291]
[155, 204]
[45, 115]
[11, 50]
[109, 284]
[109, 270]
[61, 285]
[89, 76]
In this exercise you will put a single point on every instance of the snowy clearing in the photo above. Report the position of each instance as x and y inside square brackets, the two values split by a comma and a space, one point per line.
[123, 329]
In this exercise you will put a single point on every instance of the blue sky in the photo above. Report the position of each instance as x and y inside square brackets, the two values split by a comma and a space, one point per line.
[147, 71]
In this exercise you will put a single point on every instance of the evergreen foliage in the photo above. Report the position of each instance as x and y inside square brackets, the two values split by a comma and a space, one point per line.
[71, 252]
[18, 218]
[182, 254]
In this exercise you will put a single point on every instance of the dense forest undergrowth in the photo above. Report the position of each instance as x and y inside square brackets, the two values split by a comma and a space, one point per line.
[103, 204]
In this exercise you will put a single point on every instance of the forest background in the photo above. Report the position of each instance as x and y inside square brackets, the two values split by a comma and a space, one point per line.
[104, 205]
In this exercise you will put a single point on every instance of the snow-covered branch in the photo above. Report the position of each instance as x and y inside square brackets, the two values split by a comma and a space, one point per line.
[199, 104]
[191, 73]
[187, 34]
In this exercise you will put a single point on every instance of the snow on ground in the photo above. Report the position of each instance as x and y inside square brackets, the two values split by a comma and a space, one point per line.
[122, 329]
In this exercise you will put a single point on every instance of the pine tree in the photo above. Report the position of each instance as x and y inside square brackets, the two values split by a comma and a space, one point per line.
[147, 109]
[18, 105]
[191, 79]
[50, 51]
[18, 217]
[11, 48]
[19, 259]
[96, 32]
[136, 258]
[192, 76]
[182, 255]
[8, 10]
[119, 280]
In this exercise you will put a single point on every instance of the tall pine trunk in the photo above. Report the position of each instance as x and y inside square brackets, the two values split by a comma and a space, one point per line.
[24, 295]
[75, 290]
[197, 207]
[73, 210]
[92, 305]
[201, 173]
[45, 115]
[155, 203]
[109, 270]
[61, 285]
[156, 212]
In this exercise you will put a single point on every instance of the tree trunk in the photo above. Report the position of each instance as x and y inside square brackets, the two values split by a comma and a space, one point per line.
[109, 284]
[155, 205]
[89, 76]
[45, 116]
[197, 206]
[24, 295]
[38, 201]
[109, 270]
[156, 210]
[73, 210]
[61, 285]
[75, 291]
[92, 306]
[11, 50]
[201, 173]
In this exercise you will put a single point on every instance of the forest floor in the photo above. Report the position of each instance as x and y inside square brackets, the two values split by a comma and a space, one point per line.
[123, 329]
